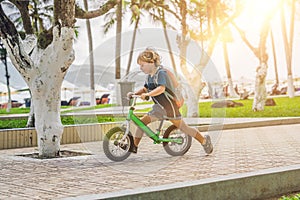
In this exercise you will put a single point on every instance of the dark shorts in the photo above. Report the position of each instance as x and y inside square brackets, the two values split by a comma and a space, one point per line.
[160, 113]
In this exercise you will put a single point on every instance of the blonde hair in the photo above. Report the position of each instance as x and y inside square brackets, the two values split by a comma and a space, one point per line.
[149, 55]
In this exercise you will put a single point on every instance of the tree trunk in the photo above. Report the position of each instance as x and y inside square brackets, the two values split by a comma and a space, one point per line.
[169, 44]
[231, 92]
[45, 86]
[91, 57]
[118, 40]
[288, 52]
[260, 88]
[31, 120]
[183, 42]
[132, 45]
[44, 72]
[260, 95]
[46, 100]
[274, 58]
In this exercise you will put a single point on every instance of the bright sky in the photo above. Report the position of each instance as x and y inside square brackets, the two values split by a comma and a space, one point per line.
[242, 61]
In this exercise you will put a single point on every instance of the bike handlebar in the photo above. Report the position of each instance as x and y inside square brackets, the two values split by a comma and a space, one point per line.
[139, 96]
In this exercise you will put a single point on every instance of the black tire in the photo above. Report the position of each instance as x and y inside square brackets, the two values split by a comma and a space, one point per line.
[175, 149]
[111, 146]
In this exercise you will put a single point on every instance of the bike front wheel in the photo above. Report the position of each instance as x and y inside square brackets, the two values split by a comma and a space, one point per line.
[113, 147]
[175, 148]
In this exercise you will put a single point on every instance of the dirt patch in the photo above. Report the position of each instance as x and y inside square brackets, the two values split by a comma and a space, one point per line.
[62, 154]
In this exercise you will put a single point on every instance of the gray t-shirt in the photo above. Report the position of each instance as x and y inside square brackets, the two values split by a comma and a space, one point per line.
[165, 100]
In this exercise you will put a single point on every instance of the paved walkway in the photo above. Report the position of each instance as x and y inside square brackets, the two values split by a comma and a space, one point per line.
[236, 151]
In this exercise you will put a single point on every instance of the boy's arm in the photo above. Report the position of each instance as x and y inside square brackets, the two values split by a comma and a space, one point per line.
[157, 91]
[141, 91]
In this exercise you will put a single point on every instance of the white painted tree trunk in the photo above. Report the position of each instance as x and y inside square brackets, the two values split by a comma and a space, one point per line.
[93, 97]
[260, 88]
[44, 75]
[231, 90]
[46, 100]
[51, 65]
[290, 87]
[30, 121]
[191, 101]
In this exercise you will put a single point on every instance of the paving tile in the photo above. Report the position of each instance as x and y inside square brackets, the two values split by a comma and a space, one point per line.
[236, 151]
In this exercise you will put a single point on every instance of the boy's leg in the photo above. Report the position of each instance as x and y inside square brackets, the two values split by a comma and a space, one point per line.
[146, 119]
[188, 130]
[205, 141]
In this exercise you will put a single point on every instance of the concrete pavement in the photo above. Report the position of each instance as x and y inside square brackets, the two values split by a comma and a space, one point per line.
[247, 163]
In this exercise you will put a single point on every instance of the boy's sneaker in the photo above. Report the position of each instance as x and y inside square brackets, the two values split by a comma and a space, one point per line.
[208, 147]
[132, 149]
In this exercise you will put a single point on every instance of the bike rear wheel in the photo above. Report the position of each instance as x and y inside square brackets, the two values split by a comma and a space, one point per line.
[174, 148]
[112, 146]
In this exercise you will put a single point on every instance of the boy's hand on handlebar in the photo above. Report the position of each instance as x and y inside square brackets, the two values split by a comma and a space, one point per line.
[129, 95]
[145, 96]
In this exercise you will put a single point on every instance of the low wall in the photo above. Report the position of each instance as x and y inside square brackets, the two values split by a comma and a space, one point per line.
[27, 137]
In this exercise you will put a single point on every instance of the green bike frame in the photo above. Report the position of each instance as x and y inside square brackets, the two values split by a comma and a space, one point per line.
[154, 136]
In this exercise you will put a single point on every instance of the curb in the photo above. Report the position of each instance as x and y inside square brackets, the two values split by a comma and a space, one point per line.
[249, 124]
[254, 185]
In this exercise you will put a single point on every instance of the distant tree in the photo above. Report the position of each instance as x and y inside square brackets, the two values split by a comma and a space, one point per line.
[118, 39]
[288, 41]
[260, 52]
[274, 58]
[91, 56]
[213, 18]
[226, 37]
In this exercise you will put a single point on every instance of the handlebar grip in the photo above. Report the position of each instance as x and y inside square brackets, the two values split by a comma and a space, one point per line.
[138, 96]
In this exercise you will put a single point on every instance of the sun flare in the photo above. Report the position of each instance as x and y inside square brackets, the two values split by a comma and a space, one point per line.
[255, 11]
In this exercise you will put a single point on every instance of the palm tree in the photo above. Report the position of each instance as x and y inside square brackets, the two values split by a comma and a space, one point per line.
[91, 56]
[162, 18]
[274, 58]
[116, 17]
[288, 44]
[135, 18]
[118, 39]
[225, 38]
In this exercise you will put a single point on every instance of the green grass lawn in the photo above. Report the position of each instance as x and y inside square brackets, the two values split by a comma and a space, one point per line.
[285, 107]
[291, 197]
